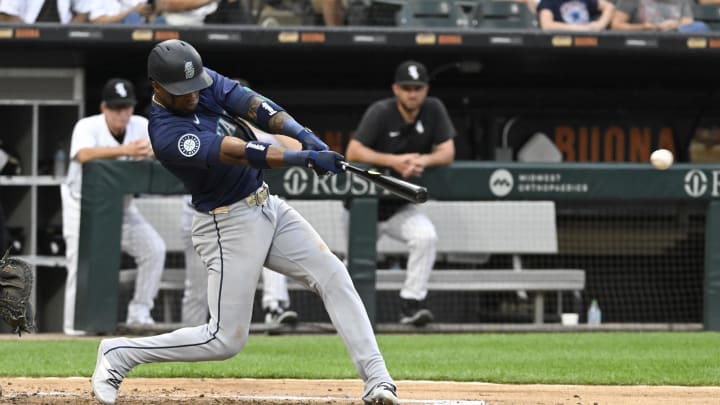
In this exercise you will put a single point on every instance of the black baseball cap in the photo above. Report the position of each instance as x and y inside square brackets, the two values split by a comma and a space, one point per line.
[119, 93]
[177, 67]
[411, 73]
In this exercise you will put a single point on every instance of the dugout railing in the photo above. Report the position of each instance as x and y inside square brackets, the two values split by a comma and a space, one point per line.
[584, 185]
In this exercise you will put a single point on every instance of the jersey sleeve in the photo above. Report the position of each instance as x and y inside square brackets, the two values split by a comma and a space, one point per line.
[186, 146]
[369, 128]
[230, 95]
[444, 129]
[83, 136]
[136, 129]
[544, 5]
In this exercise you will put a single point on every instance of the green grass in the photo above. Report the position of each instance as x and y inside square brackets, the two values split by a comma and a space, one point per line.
[675, 358]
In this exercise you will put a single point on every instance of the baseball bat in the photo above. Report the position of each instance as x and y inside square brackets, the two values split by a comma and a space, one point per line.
[401, 188]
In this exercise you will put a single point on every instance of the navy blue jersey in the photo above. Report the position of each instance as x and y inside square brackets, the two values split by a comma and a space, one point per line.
[189, 145]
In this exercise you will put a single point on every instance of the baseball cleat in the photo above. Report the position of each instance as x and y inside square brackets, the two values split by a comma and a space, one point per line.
[281, 317]
[419, 318]
[105, 379]
[414, 313]
[382, 394]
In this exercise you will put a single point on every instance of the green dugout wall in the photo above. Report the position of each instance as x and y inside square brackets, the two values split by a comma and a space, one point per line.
[105, 183]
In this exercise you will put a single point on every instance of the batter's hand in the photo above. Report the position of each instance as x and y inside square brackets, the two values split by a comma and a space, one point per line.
[324, 162]
[310, 141]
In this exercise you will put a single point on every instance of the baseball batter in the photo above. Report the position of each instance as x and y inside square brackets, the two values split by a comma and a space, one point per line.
[114, 134]
[238, 225]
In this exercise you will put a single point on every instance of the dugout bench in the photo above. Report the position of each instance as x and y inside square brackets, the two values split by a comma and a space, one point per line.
[467, 231]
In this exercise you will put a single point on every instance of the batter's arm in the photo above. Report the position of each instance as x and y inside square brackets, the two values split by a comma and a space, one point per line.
[261, 155]
[275, 120]
[233, 151]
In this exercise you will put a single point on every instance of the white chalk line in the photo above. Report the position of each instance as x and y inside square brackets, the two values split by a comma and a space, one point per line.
[353, 400]
[272, 398]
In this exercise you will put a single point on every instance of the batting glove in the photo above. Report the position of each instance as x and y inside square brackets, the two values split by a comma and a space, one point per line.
[324, 162]
[310, 141]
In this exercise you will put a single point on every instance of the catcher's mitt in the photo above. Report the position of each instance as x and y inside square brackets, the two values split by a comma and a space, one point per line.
[16, 281]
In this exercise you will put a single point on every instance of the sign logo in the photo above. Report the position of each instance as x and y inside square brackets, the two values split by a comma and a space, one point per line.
[189, 145]
[189, 70]
[696, 183]
[501, 182]
[295, 181]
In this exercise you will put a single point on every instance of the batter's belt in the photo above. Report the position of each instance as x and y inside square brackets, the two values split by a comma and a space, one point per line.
[258, 197]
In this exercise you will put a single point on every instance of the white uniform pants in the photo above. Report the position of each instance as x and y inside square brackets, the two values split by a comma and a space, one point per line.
[414, 228]
[139, 239]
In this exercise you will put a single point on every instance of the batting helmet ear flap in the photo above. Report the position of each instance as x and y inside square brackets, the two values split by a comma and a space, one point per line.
[177, 67]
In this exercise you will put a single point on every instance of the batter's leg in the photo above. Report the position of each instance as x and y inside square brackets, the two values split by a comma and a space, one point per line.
[300, 253]
[233, 247]
[195, 301]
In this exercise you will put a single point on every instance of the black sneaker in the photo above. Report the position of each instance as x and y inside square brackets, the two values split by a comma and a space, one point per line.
[414, 313]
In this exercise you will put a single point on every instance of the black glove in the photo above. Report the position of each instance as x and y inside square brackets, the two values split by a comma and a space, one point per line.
[16, 281]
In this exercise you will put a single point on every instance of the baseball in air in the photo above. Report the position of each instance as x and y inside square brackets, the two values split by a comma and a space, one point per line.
[661, 159]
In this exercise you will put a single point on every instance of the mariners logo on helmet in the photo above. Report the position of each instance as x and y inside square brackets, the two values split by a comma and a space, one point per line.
[189, 145]
[189, 70]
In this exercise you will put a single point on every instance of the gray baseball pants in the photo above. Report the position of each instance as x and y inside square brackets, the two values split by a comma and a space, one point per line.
[234, 247]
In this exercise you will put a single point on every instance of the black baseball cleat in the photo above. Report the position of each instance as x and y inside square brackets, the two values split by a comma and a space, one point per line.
[414, 313]
[280, 317]
[382, 394]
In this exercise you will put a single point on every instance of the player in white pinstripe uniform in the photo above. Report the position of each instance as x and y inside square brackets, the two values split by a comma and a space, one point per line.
[113, 134]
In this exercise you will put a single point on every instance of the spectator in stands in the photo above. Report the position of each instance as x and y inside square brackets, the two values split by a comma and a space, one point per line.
[120, 11]
[115, 133]
[407, 133]
[231, 12]
[185, 12]
[32, 11]
[333, 11]
[574, 15]
[656, 15]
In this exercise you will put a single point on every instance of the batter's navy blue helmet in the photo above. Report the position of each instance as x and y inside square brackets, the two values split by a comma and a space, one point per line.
[177, 67]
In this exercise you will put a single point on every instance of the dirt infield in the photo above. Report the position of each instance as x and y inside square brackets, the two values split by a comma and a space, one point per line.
[267, 392]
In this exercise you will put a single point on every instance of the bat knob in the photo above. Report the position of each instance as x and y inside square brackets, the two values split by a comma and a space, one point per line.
[421, 196]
